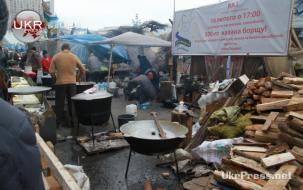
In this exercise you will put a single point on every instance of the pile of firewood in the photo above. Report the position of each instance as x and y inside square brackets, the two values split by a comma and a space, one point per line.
[254, 165]
[255, 91]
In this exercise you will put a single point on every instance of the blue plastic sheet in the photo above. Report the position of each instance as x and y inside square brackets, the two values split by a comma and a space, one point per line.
[82, 46]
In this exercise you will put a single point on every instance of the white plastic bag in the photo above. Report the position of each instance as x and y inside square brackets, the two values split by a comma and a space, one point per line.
[214, 151]
[78, 173]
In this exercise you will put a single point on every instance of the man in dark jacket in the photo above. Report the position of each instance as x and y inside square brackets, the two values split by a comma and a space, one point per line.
[19, 154]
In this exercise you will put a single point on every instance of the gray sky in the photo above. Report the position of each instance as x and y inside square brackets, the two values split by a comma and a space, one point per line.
[96, 14]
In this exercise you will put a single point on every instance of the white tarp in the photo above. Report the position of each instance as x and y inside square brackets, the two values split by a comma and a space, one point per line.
[236, 27]
[134, 39]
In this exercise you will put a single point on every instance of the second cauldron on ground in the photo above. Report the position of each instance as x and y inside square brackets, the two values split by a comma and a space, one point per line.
[143, 137]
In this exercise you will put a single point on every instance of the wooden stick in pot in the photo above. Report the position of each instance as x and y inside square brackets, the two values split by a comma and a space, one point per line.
[161, 132]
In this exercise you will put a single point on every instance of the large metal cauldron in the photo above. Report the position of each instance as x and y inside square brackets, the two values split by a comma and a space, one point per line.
[93, 109]
[143, 136]
[82, 86]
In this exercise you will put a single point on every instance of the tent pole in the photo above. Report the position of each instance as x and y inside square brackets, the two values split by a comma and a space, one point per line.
[110, 62]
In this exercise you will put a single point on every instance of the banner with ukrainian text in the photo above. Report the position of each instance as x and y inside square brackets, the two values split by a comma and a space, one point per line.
[237, 27]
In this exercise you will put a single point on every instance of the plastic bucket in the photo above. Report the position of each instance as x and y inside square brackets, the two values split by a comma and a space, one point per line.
[125, 118]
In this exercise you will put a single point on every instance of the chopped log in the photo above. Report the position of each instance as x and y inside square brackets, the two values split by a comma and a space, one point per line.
[296, 87]
[269, 100]
[256, 156]
[268, 137]
[251, 142]
[295, 104]
[256, 97]
[251, 85]
[283, 85]
[237, 183]
[272, 116]
[292, 141]
[256, 127]
[296, 80]
[277, 149]
[298, 153]
[228, 166]
[268, 85]
[282, 94]
[250, 148]
[295, 115]
[284, 74]
[260, 90]
[277, 159]
[277, 105]
[284, 128]
[279, 184]
[250, 164]
[266, 94]
[261, 82]
[300, 92]
[296, 124]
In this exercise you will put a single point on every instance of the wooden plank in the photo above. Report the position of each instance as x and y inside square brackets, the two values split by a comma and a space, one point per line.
[279, 184]
[296, 124]
[58, 171]
[281, 94]
[277, 159]
[295, 115]
[296, 87]
[269, 100]
[250, 148]
[258, 118]
[237, 183]
[250, 164]
[277, 105]
[277, 149]
[296, 80]
[256, 156]
[272, 116]
[46, 186]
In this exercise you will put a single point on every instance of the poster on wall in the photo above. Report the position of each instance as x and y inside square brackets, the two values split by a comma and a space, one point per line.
[236, 27]
[298, 14]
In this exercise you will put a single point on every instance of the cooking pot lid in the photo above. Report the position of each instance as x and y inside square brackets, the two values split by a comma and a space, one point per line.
[94, 96]
[146, 129]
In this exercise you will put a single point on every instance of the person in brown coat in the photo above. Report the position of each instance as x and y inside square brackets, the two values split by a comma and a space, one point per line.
[63, 70]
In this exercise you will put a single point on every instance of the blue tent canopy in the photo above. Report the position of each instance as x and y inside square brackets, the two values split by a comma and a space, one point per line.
[101, 51]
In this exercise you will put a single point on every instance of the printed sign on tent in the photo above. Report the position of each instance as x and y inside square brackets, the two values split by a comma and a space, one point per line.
[237, 27]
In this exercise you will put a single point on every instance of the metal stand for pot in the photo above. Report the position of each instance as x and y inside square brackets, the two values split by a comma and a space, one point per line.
[130, 154]
[93, 125]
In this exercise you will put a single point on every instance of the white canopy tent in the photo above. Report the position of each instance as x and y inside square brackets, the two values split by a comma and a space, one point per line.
[133, 39]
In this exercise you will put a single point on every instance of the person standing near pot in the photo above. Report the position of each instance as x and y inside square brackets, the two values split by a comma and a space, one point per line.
[63, 70]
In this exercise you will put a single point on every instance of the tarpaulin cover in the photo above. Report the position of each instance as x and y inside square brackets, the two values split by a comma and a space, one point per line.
[101, 51]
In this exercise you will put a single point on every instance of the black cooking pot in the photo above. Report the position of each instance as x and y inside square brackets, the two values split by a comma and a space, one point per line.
[92, 110]
[82, 86]
[143, 136]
